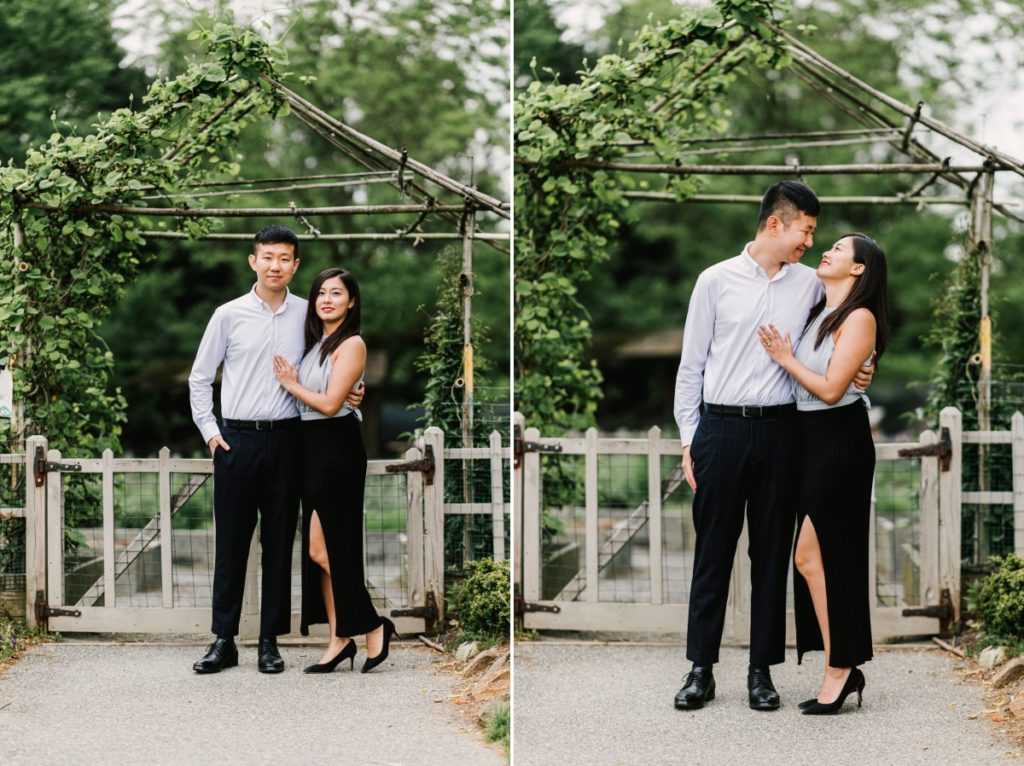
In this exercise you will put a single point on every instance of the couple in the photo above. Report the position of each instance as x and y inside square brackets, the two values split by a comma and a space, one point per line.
[287, 433]
[747, 445]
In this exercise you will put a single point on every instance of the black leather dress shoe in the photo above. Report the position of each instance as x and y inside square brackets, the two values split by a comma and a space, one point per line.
[221, 654]
[762, 691]
[698, 688]
[269, 658]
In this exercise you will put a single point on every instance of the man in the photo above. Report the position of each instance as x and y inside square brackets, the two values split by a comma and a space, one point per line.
[735, 411]
[256, 446]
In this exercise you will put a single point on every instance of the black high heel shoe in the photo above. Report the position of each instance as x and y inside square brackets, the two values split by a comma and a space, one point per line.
[372, 662]
[347, 652]
[854, 683]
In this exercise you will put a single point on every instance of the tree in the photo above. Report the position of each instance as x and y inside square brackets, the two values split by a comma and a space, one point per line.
[71, 258]
[60, 66]
[539, 44]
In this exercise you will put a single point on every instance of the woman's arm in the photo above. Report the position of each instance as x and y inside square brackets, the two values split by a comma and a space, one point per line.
[854, 343]
[349, 361]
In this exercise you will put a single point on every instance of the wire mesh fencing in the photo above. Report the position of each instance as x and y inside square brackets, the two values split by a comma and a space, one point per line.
[12, 536]
[897, 499]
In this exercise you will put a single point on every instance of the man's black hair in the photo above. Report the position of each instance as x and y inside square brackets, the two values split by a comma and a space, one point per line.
[787, 199]
[276, 234]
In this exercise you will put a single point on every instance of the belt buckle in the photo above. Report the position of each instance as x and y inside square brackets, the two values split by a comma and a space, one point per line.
[264, 427]
[752, 409]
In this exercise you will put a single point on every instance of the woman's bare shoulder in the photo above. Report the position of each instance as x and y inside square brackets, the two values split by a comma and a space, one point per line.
[353, 344]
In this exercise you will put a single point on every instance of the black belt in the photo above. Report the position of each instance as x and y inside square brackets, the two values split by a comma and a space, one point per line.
[749, 411]
[263, 425]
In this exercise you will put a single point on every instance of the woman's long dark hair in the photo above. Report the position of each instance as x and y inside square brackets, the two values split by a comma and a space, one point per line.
[869, 291]
[351, 325]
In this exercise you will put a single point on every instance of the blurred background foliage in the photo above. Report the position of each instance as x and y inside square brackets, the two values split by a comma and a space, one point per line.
[422, 74]
[943, 52]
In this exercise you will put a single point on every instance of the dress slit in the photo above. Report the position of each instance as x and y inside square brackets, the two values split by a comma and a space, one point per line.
[334, 478]
[836, 467]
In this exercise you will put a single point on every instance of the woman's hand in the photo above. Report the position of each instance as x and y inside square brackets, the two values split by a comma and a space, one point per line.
[285, 372]
[779, 348]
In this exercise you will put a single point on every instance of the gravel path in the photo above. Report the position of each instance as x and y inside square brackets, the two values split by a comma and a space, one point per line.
[77, 703]
[606, 705]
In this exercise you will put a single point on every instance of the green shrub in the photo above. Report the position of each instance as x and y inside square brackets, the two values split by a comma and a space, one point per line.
[1001, 597]
[481, 601]
[498, 725]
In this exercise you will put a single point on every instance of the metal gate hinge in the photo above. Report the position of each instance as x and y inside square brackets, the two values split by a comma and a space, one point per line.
[44, 466]
[520, 446]
[943, 449]
[427, 612]
[44, 610]
[943, 611]
[424, 465]
[522, 606]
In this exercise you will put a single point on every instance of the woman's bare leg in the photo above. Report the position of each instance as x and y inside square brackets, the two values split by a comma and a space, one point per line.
[318, 553]
[810, 565]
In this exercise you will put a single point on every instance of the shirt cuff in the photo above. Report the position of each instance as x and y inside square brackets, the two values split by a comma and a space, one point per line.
[209, 430]
[686, 435]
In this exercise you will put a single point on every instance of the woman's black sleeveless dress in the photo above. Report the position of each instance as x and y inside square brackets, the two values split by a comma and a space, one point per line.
[333, 481]
[835, 472]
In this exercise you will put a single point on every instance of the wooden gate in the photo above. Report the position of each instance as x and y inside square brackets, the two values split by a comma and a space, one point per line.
[145, 564]
[612, 549]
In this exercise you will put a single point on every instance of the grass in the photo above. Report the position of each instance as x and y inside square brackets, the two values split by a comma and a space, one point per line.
[15, 637]
[498, 725]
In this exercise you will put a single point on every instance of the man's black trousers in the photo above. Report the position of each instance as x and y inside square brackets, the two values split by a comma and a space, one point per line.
[259, 475]
[742, 464]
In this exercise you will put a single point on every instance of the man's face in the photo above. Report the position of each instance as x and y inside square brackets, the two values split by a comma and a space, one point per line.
[796, 238]
[275, 264]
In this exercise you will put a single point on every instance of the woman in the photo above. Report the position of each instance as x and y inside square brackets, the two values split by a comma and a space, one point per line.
[837, 458]
[333, 584]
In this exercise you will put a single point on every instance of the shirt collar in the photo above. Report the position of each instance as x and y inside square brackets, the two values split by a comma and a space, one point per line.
[753, 268]
[259, 303]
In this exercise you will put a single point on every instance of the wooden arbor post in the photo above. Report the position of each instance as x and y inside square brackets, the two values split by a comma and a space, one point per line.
[980, 234]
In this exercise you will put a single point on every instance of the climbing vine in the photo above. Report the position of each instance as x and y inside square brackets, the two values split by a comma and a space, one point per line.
[668, 88]
[469, 537]
[69, 257]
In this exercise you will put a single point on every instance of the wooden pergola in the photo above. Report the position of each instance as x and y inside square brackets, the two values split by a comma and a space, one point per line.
[425, 194]
[877, 119]
[871, 110]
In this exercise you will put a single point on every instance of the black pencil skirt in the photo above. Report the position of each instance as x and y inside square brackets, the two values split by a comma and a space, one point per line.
[836, 463]
[333, 480]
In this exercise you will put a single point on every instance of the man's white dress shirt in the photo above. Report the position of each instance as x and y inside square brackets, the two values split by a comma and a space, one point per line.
[245, 334]
[723, 361]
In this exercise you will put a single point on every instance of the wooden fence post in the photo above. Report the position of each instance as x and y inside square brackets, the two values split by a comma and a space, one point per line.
[497, 498]
[950, 488]
[433, 521]
[931, 577]
[166, 530]
[591, 510]
[414, 529]
[529, 541]
[35, 532]
[54, 534]
[1017, 430]
[654, 512]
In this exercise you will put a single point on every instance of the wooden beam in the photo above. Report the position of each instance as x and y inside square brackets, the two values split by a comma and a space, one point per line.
[774, 170]
[254, 212]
